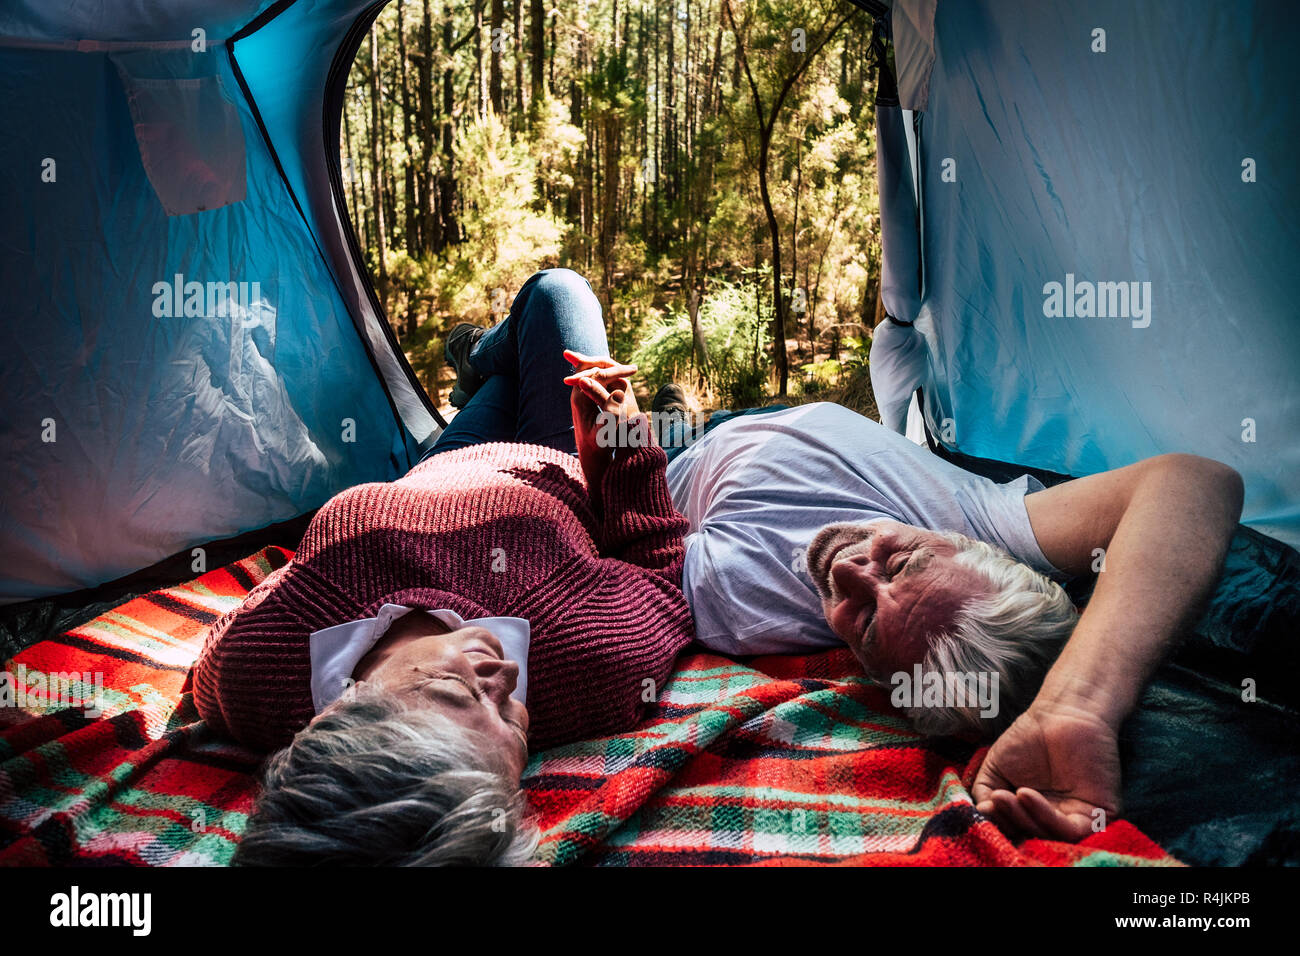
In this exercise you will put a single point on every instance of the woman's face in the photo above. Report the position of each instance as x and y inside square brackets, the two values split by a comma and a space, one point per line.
[462, 674]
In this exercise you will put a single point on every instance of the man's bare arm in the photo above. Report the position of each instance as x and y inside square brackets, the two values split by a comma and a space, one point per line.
[1164, 526]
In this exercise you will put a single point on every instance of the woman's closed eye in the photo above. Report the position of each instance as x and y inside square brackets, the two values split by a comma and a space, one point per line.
[463, 688]
[456, 685]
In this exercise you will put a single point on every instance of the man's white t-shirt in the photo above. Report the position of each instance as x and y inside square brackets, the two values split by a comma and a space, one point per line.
[757, 489]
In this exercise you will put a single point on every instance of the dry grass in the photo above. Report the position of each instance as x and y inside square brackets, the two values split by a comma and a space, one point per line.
[853, 392]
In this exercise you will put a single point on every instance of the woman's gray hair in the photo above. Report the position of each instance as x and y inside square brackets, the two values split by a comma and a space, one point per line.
[373, 783]
[1015, 633]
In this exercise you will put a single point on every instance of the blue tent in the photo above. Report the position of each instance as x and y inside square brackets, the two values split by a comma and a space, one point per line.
[1088, 213]
[1090, 236]
[190, 348]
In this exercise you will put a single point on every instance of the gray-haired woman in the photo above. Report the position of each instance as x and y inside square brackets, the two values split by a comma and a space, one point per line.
[519, 587]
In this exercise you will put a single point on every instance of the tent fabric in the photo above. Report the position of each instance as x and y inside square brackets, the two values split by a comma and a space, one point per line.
[188, 349]
[187, 127]
[899, 357]
[899, 364]
[135, 433]
[913, 33]
[1162, 163]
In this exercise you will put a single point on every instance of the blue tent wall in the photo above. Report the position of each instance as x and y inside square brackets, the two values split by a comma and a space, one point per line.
[312, 37]
[172, 430]
[1117, 166]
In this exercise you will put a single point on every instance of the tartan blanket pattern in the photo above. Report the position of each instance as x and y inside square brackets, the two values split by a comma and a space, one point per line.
[778, 761]
[784, 761]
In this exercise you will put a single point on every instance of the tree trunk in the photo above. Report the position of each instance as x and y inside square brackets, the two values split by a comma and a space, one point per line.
[430, 238]
[480, 71]
[655, 241]
[537, 48]
[670, 114]
[643, 127]
[609, 214]
[550, 56]
[496, 40]
[408, 197]
[699, 345]
[517, 53]
[767, 120]
[688, 83]
[449, 227]
[376, 166]
[588, 192]
[778, 300]
[354, 173]
[794, 223]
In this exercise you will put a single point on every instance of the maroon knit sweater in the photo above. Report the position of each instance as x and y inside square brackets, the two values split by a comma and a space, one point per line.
[601, 591]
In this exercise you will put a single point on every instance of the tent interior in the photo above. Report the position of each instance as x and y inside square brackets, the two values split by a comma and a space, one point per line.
[1087, 246]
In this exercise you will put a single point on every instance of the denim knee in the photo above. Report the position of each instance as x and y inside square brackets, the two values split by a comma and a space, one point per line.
[562, 284]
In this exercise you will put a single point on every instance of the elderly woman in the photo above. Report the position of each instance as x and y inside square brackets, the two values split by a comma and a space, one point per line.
[519, 587]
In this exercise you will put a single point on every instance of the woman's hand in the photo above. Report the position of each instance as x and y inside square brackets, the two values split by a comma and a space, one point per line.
[604, 412]
[605, 382]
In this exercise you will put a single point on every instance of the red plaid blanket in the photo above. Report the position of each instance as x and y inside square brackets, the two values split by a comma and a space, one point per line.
[779, 761]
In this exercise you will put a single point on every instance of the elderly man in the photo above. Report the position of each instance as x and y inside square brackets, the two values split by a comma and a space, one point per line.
[815, 525]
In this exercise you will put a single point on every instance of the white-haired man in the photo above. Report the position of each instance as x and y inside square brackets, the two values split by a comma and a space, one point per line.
[815, 525]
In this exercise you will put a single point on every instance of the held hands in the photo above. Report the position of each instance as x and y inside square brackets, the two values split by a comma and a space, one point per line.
[604, 411]
[1050, 773]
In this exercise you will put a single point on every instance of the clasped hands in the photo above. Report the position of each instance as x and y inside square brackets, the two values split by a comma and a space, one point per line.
[605, 412]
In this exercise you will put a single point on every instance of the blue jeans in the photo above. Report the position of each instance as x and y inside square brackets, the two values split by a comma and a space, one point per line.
[524, 398]
[677, 437]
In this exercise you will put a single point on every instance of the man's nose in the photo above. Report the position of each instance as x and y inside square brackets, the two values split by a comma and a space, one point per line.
[854, 575]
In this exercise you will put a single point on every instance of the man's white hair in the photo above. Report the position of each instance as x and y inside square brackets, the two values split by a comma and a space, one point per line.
[1015, 632]
[371, 782]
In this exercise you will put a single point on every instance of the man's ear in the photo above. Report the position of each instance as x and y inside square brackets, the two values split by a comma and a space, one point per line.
[353, 688]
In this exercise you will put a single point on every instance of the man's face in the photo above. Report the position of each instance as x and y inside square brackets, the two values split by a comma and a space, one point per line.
[886, 587]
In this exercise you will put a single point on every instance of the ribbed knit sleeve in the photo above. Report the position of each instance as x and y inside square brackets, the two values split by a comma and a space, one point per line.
[639, 524]
[252, 680]
[615, 631]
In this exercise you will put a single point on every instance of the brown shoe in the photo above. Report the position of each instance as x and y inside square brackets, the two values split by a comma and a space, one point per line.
[671, 399]
[459, 343]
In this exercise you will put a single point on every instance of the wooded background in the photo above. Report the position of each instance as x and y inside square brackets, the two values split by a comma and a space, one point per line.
[709, 166]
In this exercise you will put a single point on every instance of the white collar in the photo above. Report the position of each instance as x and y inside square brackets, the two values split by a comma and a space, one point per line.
[336, 651]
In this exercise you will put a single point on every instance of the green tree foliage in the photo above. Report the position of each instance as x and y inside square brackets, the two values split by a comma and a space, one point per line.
[507, 235]
[732, 365]
[672, 152]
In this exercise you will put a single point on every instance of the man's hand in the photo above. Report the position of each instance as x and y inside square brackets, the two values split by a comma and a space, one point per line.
[1156, 533]
[1049, 773]
[600, 386]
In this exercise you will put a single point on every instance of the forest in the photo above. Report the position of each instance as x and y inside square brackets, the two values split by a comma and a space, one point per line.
[708, 165]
